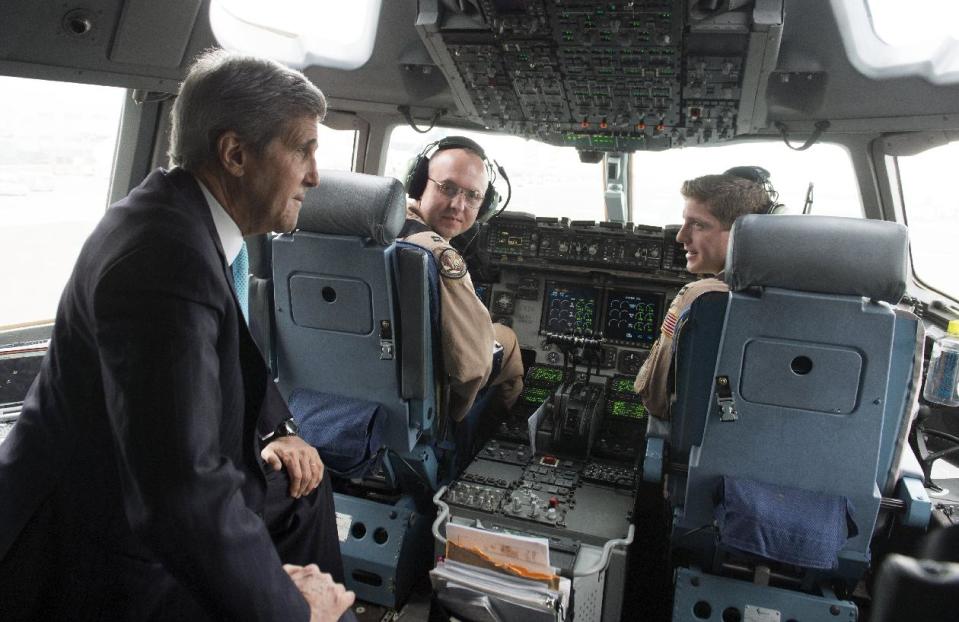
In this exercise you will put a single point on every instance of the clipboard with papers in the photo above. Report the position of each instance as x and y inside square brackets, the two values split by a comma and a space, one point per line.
[497, 577]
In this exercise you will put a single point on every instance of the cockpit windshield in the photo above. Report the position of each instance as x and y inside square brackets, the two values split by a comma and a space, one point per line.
[552, 181]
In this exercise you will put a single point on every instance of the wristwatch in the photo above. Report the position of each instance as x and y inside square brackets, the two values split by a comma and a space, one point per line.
[286, 428]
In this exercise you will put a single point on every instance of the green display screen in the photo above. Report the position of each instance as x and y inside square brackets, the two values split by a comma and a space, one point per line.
[633, 318]
[535, 395]
[545, 375]
[570, 308]
[621, 385]
[626, 410]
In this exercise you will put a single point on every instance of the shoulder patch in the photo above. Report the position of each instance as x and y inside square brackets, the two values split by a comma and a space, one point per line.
[451, 264]
[669, 324]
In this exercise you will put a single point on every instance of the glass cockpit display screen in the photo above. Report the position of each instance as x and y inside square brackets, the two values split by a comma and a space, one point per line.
[483, 292]
[632, 317]
[625, 410]
[570, 308]
[541, 375]
[621, 384]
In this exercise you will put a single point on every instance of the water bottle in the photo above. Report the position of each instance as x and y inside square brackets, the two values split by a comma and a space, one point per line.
[942, 377]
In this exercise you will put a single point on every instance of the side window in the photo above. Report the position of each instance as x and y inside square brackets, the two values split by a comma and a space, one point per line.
[59, 141]
[931, 213]
[335, 149]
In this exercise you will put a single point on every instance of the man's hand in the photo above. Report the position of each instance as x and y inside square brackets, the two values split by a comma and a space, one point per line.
[302, 462]
[327, 599]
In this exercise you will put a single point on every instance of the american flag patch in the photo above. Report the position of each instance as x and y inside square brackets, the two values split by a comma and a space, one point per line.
[669, 324]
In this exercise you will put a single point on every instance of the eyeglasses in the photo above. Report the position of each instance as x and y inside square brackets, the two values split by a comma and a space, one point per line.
[473, 198]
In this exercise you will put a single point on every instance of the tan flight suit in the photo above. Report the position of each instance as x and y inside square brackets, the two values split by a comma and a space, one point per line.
[467, 331]
[652, 381]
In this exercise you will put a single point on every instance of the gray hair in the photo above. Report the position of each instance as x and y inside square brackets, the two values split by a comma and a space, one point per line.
[255, 97]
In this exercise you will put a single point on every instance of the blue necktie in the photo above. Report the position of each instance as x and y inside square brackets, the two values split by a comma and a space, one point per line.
[241, 277]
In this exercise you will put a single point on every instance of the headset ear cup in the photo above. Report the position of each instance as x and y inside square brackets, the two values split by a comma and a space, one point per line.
[488, 207]
[416, 177]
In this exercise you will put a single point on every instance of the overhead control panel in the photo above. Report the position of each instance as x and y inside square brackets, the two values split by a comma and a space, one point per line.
[604, 76]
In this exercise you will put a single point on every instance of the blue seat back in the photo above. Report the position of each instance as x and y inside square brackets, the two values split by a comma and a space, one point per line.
[807, 348]
[905, 382]
[697, 344]
[341, 325]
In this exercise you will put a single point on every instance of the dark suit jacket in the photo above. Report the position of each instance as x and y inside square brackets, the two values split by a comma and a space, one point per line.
[131, 486]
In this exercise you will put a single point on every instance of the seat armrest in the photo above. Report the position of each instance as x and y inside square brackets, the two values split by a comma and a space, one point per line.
[653, 461]
[918, 506]
[657, 431]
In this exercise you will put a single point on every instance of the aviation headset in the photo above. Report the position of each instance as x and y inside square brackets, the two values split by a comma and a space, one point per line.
[758, 175]
[418, 173]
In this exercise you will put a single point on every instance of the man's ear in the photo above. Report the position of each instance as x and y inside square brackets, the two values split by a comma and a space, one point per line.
[232, 153]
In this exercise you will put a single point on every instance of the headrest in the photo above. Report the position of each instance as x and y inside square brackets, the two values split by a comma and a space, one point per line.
[346, 203]
[824, 254]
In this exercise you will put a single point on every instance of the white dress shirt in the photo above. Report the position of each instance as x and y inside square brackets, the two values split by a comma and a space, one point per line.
[230, 237]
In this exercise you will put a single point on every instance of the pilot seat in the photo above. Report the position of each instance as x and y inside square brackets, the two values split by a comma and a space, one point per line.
[354, 356]
[787, 444]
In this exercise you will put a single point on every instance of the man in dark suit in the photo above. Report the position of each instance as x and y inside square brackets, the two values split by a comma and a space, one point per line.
[153, 473]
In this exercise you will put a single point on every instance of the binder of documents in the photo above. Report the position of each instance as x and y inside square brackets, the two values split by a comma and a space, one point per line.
[483, 595]
[496, 577]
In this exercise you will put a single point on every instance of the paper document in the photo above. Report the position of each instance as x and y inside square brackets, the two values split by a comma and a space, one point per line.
[490, 576]
[481, 594]
[533, 424]
[532, 554]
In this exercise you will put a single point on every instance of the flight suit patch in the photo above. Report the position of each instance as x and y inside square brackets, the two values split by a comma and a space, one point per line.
[669, 324]
[451, 264]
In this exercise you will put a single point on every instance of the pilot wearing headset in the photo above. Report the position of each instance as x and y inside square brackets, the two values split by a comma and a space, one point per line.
[451, 187]
[713, 203]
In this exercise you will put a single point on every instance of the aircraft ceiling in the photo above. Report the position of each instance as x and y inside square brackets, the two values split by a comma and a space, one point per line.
[642, 74]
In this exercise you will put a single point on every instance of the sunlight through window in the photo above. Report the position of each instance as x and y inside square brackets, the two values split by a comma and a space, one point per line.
[888, 38]
[299, 33]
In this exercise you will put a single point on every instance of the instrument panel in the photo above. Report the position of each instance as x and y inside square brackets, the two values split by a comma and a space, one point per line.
[586, 301]
[558, 497]
[522, 239]
[609, 282]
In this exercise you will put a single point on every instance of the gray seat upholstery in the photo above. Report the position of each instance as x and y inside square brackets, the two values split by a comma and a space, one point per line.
[820, 370]
[922, 587]
[697, 343]
[339, 315]
[353, 322]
